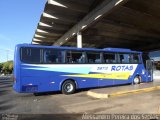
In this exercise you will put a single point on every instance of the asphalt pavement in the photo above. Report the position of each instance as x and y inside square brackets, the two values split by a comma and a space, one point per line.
[78, 103]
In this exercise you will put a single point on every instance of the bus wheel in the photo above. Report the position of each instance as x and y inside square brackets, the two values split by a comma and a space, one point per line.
[68, 87]
[136, 80]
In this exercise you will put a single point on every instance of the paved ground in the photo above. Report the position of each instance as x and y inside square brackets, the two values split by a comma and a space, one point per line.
[129, 87]
[156, 74]
[12, 102]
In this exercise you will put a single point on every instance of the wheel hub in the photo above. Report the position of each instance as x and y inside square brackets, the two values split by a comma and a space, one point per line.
[68, 87]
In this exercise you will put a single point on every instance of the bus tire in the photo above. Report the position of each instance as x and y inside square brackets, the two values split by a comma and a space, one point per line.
[68, 87]
[136, 80]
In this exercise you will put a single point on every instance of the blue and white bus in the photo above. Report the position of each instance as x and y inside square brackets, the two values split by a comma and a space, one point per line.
[52, 68]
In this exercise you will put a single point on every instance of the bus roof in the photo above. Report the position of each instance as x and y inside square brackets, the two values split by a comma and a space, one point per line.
[75, 48]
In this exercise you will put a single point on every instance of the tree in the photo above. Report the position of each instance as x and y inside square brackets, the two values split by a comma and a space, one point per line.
[7, 67]
[11, 67]
[1, 66]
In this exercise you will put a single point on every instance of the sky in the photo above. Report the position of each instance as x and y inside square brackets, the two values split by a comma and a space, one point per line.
[18, 22]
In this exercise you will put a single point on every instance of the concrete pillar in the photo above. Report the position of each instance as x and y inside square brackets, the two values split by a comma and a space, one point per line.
[79, 40]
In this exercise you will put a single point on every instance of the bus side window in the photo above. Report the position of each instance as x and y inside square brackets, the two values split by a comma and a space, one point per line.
[76, 57]
[109, 58]
[52, 56]
[93, 57]
[68, 57]
[121, 57]
[30, 55]
[124, 58]
[135, 58]
[81, 59]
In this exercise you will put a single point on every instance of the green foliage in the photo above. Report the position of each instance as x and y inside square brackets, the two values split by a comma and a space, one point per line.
[1, 66]
[7, 67]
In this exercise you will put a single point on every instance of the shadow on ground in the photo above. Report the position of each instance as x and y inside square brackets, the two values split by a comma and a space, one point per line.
[5, 86]
[77, 91]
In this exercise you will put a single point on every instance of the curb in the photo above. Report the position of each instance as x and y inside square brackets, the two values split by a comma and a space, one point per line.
[106, 95]
[97, 95]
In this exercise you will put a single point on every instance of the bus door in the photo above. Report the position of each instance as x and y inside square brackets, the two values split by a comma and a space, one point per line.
[149, 70]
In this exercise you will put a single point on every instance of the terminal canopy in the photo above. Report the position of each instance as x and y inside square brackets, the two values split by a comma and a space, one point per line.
[130, 24]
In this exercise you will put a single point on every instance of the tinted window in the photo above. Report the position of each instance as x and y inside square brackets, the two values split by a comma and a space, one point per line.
[93, 57]
[52, 56]
[109, 57]
[135, 58]
[75, 57]
[30, 55]
[145, 57]
[125, 58]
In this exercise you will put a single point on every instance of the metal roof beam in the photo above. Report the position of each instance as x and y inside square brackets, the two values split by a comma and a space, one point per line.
[69, 4]
[101, 10]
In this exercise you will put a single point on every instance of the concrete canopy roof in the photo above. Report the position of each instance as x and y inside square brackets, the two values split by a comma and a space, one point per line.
[130, 24]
